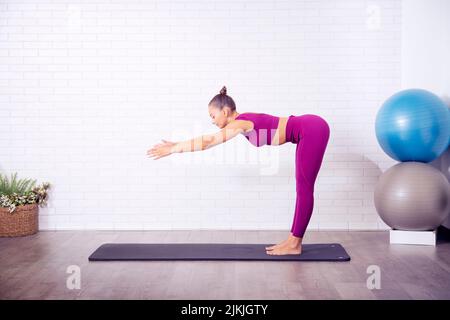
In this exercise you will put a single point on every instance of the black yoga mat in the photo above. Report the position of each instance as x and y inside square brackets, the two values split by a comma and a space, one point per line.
[213, 251]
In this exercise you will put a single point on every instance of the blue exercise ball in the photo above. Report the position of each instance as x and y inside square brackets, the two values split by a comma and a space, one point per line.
[413, 125]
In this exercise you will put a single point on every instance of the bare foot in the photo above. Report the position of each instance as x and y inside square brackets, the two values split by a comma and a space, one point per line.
[289, 239]
[292, 245]
[277, 245]
[286, 249]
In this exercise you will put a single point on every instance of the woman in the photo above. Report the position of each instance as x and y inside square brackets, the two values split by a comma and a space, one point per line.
[310, 133]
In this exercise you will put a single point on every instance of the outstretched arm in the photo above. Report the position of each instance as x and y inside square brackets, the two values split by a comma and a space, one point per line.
[207, 141]
[200, 143]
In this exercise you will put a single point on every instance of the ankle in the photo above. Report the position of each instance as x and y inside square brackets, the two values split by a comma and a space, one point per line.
[295, 241]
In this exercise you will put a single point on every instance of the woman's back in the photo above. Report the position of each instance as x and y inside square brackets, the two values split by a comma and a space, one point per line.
[265, 128]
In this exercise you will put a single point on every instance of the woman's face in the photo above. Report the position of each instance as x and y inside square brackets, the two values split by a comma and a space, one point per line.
[218, 117]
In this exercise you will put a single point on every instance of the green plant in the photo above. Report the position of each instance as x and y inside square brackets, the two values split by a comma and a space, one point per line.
[15, 192]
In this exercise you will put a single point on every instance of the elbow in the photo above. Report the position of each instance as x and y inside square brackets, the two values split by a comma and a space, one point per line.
[208, 143]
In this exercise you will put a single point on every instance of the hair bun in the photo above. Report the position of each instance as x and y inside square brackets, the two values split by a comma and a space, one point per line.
[224, 90]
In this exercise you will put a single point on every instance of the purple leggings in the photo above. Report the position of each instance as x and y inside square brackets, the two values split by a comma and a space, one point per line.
[310, 133]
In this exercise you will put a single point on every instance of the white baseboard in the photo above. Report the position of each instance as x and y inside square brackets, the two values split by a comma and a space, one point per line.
[427, 238]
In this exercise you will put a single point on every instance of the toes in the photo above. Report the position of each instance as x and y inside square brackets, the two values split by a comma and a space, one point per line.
[278, 245]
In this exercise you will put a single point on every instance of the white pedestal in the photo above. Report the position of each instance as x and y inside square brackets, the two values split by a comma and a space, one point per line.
[427, 238]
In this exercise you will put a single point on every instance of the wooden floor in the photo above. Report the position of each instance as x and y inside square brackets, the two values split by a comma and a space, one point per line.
[35, 267]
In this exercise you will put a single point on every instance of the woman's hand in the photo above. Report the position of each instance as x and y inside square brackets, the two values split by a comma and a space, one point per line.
[161, 149]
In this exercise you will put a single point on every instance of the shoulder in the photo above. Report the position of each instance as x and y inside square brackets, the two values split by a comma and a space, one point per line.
[242, 122]
[247, 114]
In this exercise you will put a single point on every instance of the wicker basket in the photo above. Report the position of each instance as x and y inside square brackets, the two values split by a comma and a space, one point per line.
[22, 221]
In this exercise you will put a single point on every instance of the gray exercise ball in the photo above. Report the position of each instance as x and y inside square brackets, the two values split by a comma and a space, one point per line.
[412, 196]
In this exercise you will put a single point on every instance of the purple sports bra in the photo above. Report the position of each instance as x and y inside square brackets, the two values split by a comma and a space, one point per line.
[264, 127]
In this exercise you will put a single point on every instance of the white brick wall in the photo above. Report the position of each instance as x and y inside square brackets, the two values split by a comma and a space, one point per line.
[424, 59]
[87, 87]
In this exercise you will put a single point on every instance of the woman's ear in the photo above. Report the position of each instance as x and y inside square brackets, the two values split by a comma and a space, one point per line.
[226, 111]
